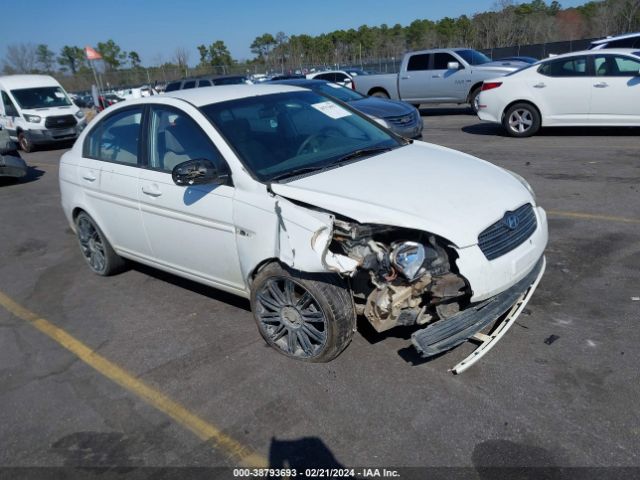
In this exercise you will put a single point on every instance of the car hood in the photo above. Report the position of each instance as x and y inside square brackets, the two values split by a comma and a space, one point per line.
[381, 108]
[419, 186]
[50, 111]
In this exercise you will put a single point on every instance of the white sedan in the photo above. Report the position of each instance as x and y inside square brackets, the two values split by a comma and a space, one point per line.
[594, 87]
[312, 211]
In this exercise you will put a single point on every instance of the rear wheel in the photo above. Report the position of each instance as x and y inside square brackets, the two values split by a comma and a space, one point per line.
[303, 316]
[96, 249]
[380, 94]
[25, 144]
[521, 120]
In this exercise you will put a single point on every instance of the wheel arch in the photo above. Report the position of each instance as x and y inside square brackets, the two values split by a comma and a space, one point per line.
[473, 89]
[378, 89]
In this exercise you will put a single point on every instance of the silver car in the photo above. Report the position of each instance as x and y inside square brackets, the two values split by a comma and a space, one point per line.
[401, 118]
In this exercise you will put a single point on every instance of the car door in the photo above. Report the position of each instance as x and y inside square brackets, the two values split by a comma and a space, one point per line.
[447, 84]
[561, 88]
[414, 83]
[190, 229]
[8, 114]
[615, 96]
[108, 174]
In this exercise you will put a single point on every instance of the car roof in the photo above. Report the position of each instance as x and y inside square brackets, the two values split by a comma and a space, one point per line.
[617, 37]
[11, 82]
[222, 93]
[624, 51]
[298, 82]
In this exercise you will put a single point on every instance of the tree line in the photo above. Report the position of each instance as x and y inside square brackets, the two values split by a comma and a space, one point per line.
[508, 23]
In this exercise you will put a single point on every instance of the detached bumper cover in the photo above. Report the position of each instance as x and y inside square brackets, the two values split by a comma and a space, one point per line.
[447, 334]
[12, 166]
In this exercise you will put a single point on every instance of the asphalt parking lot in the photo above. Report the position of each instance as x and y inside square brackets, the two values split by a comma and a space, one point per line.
[193, 384]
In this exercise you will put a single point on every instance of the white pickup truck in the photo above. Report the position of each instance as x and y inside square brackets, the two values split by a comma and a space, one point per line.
[436, 76]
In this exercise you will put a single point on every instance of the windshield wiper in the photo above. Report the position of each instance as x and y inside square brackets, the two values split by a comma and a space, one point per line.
[363, 152]
[297, 171]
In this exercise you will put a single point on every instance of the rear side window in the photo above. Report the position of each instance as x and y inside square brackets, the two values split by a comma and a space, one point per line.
[189, 84]
[172, 87]
[115, 139]
[204, 83]
[565, 67]
[440, 60]
[329, 77]
[616, 66]
[418, 62]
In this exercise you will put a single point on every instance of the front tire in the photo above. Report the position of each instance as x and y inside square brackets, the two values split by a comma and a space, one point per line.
[308, 317]
[521, 120]
[95, 247]
[25, 144]
[474, 100]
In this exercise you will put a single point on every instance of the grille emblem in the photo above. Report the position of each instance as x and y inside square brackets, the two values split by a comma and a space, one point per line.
[511, 220]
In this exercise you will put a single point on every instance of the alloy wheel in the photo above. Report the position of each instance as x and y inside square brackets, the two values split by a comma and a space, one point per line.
[291, 318]
[520, 120]
[91, 244]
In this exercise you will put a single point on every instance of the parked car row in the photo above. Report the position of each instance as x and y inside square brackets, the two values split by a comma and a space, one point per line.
[594, 87]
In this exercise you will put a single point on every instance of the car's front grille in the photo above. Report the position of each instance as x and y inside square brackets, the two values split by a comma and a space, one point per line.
[508, 232]
[60, 121]
[402, 120]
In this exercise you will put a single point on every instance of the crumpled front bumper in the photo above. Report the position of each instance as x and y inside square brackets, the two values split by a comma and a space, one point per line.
[446, 334]
[12, 166]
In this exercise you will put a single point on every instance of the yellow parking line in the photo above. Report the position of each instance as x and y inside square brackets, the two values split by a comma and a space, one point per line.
[591, 216]
[201, 428]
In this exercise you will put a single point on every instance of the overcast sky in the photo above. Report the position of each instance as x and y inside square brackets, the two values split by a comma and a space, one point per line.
[155, 28]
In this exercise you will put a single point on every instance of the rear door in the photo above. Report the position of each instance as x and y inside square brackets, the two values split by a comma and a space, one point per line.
[447, 85]
[615, 96]
[109, 178]
[414, 82]
[190, 229]
[562, 90]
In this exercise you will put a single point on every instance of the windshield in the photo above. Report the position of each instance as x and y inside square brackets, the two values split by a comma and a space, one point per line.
[337, 91]
[41, 97]
[282, 134]
[473, 57]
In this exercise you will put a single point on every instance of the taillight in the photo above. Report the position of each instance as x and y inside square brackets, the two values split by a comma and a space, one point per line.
[490, 85]
[353, 85]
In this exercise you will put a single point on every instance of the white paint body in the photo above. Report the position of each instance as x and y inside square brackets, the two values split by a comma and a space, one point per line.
[18, 123]
[223, 237]
[569, 101]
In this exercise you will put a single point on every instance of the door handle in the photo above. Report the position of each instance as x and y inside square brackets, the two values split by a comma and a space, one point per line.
[540, 85]
[89, 177]
[151, 191]
[436, 76]
[601, 85]
[405, 78]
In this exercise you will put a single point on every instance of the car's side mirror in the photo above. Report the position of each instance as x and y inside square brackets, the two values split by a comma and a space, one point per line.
[453, 66]
[197, 172]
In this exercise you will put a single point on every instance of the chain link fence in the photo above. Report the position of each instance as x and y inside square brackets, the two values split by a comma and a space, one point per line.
[135, 77]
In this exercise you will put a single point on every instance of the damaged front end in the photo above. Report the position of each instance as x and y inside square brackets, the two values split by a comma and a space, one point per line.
[404, 277]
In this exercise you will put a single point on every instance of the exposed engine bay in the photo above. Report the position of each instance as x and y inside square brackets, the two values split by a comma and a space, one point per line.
[405, 277]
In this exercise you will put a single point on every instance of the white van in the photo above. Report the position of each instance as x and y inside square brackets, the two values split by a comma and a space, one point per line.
[36, 110]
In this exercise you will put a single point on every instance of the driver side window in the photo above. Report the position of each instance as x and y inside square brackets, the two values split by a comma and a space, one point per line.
[175, 138]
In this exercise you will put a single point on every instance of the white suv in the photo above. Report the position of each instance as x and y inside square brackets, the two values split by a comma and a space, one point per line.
[310, 209]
